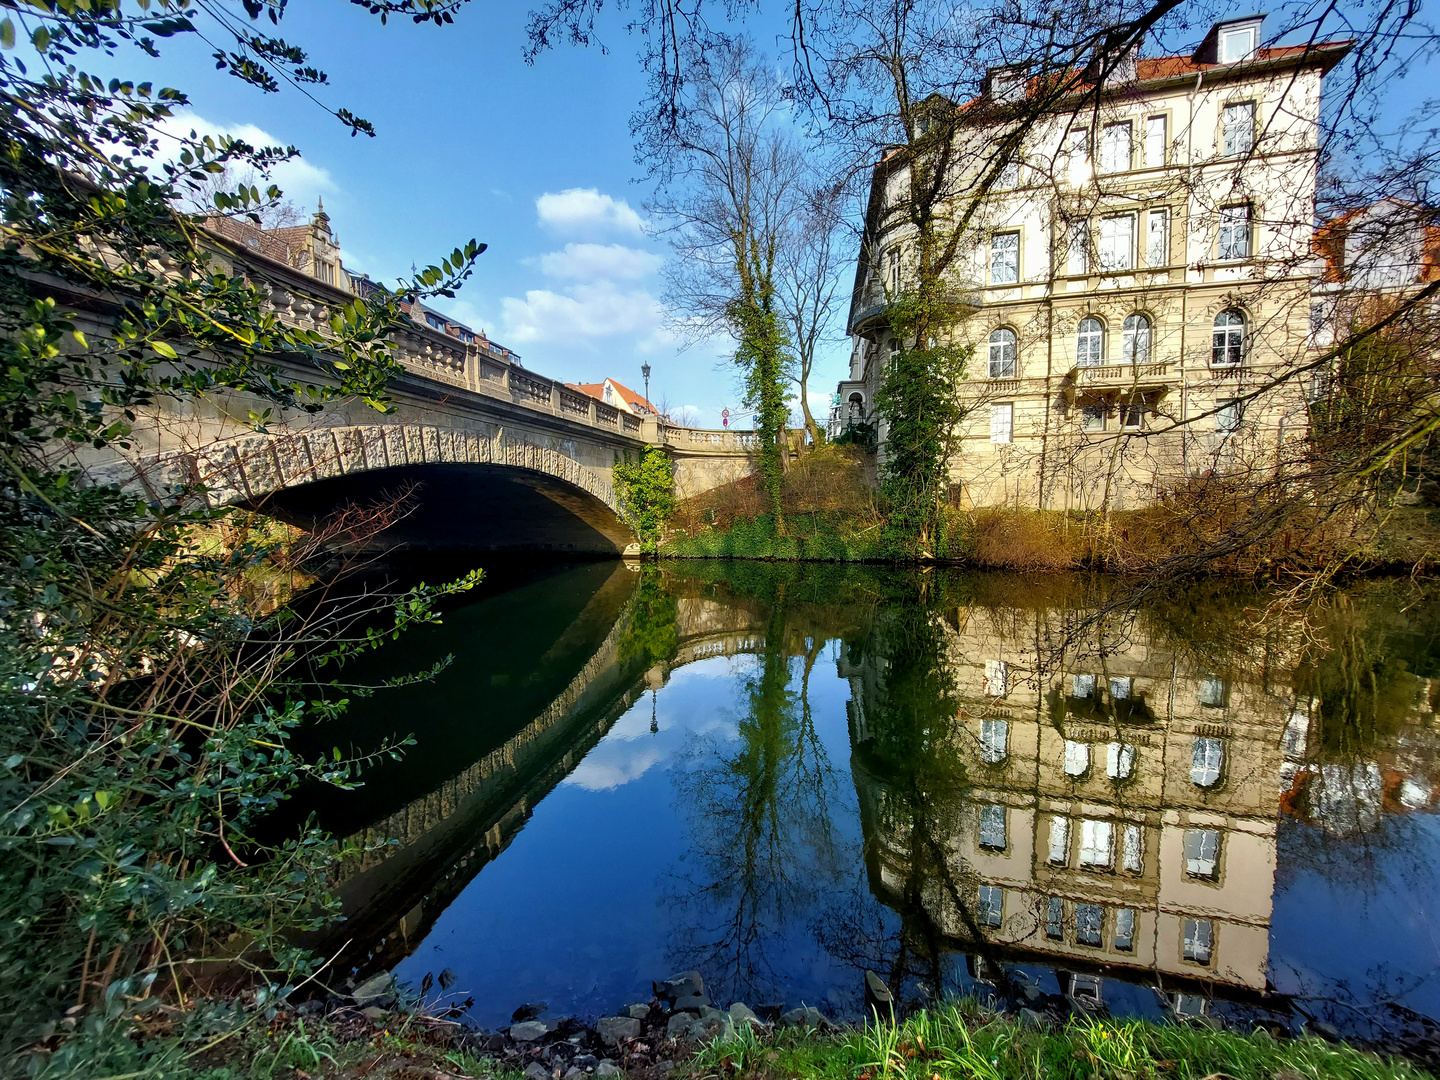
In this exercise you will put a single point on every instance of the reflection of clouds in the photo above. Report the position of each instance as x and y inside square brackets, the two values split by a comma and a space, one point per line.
[684, 708]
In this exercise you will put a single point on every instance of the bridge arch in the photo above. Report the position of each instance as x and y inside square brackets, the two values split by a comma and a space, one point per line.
[474, 478]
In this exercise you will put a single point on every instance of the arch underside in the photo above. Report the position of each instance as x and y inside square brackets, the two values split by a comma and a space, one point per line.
[466, 489]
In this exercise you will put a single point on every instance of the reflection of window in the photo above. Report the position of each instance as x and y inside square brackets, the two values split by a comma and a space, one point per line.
[994, 741]
[1002, 422]
[1077, 758]
[1002, 354]
[1297, 734]
[1199, 940]
[992, 827]
[1125, 929]
[1228, 339]
[1090, 343]
[991, 905]
[1088, 920]
[1206, 760]
[1060, 841]
[1119, 761]
[1005, 258]
[1082, 686]
[1120, 686]
[995, 677]
[1117, 242]
[1135, 340]
[1237, 128]
[1055, 919]
[1115, 147]
[1095, 843]
[1133, 849]
[1202, 847]
[1212, 691]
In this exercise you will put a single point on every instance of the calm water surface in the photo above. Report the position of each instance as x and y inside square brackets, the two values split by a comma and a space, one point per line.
[786, 775]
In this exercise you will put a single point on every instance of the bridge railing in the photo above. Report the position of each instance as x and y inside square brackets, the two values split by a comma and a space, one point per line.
[477, 366]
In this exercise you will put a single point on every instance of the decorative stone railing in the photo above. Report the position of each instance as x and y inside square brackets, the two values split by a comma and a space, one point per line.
[705, 439]
[1107, 376]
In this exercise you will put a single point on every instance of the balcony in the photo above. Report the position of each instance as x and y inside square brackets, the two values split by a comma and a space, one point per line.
[1151, 376]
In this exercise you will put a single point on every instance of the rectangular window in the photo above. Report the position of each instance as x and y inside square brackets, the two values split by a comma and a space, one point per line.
[997, 674]
[1077, 152]
[1227, 415]
[1133, 849]
[991, 905]
[1060, 841]
[1115, 140]
[1117, 242]
[1055, 919]
[1002, 422]
[992, 827]
[1077, 758]
[435, 321]
[1082, 686]
[1157, 238]
[1202, 847]
[1156, 141]
[1078, 252]
[1096, 844]
[1132, 416]
[1125, 930]
[1234, 233]
[892, 262]
[1008, 178]
[1212, 691]
[1206, 760]
[1092, 418]
[1321, 335]
[1237, 45]
[1005, 258]
[994, 741]
[1089, 918]
[1119, 760]
[1199, 940]
[1237, 128]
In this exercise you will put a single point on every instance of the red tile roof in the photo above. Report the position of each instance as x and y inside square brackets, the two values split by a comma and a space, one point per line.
[632, 399]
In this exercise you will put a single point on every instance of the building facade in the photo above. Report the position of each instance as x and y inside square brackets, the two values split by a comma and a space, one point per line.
[1131, 282]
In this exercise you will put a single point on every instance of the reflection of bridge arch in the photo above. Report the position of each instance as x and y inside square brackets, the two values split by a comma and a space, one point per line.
[302, 471]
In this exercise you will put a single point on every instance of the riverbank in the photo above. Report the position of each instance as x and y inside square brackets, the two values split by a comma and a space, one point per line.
[959, 1039]
[833, 514]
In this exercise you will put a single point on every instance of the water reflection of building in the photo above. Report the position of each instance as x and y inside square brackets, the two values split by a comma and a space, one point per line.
[1118, 814]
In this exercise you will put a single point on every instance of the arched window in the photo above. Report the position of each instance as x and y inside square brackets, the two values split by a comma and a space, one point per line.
[1135, 340]
[1090, 343]
[1002, 354]
[1229, 340]
[857, 406]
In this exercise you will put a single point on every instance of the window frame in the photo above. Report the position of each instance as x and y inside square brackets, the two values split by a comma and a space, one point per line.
[1164, 118]
[1131, 337]
[1189, 936]
[1230, 146]
[1085, 912]
[1077, 753]
[996, 249]
[1238, 329]
[1055, 919]
[986, 824]
[1008, 408]
[1123, 938]
[990, 900]
[1097, 414]
[1097, 841]
[1207, 743]
[1107, 147]
[1229, 413]
[1058, 840]
[1135, 833]
[1132, 415]
[1229, 243]
[1199, 872]
[1127, 256]
[1162, 215]
[1014, 347]
[994, 751]
[1119, 760]
[1085, 356]
[1077, 251]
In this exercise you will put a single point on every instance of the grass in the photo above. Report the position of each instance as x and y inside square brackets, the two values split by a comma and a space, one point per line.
[961, 1041]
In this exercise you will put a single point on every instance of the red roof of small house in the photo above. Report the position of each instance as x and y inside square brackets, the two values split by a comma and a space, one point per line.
[634, 401]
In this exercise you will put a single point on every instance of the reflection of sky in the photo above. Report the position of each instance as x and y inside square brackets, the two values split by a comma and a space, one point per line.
[631, 749]
[573, 912]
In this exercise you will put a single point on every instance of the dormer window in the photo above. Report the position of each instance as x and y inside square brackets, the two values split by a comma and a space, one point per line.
[1237, 44]
[435, 321]
[1007, 85]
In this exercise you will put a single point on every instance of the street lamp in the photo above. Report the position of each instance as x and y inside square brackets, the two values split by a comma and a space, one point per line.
[645, 371]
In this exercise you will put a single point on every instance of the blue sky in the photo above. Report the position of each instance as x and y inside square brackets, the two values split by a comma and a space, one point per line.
[536, 161]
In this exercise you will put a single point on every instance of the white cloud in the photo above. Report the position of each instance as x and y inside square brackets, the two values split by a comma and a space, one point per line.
[594, 262]
[588, 310]
[586, 212]
[302, 182]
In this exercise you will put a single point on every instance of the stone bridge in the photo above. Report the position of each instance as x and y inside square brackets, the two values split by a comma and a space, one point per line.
[491, 455]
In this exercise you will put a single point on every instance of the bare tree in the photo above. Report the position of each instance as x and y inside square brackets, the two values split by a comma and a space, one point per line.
[812, 260]
[272, 213]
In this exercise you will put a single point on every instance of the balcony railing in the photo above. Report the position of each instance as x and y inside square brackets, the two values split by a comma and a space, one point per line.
[1156, 374]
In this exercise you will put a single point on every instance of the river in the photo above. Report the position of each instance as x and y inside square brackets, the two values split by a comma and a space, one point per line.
[784, 775]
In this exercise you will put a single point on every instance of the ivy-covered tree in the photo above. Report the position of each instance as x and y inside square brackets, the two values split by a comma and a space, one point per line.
[646, 489]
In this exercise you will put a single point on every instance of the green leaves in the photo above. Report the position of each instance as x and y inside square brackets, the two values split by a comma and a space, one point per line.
[7, 34]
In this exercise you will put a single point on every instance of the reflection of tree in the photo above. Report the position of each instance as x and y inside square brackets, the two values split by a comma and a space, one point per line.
[652, 634]
[761, 832]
